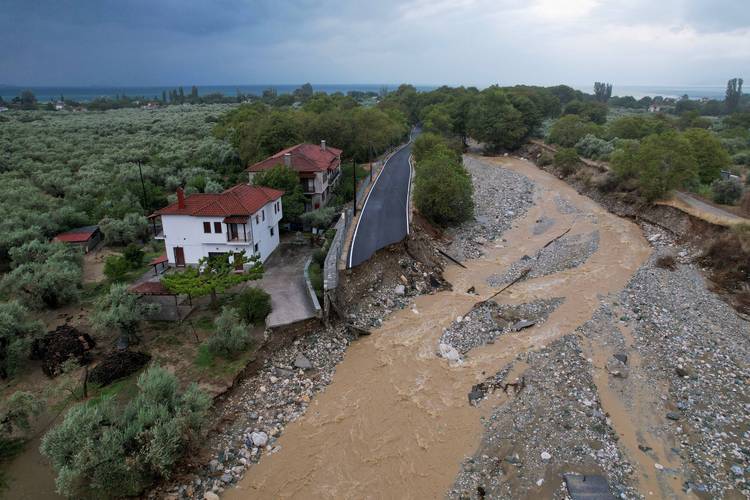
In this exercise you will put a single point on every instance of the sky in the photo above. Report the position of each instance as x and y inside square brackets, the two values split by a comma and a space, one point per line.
[428, 42]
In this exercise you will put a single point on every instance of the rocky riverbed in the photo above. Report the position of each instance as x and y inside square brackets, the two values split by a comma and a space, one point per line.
[500, 197]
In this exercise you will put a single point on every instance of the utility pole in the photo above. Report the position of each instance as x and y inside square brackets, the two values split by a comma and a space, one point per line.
[143, 185]
[354, 182]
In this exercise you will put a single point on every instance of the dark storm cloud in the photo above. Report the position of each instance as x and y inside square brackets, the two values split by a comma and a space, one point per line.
[424, 41]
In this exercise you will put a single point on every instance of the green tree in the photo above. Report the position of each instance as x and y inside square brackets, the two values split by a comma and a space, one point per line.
[733, 94]
[591, 110]
[569, 129]
[287, 180]
[443, 191]
[496, 122]
[231, 336]
[17, 331]
[44, 274]
[710, 155]
[212, 276]
[602, 91]
[634, 127]
[104, 450]
[659, 164]
[27, 100]
[121, 311]
[131, 228]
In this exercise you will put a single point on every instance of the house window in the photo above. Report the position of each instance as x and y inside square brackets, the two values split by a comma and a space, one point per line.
[272, 231]
[217, 227]
[263, 213]
[257, 219]
[206, 227]
[255, 248]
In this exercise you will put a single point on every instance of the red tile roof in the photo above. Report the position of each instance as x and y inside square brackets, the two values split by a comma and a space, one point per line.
[242, 199]
[305, 158]
[80, 235]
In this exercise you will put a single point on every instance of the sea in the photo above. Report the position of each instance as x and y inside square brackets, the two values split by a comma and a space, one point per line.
[89, 93]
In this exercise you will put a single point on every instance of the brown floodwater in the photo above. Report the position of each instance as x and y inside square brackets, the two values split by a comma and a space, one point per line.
[395, 421]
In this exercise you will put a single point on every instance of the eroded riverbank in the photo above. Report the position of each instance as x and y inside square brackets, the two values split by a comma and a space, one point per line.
[395, 421]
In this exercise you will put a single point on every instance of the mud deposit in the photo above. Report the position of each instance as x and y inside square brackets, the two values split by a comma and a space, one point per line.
[395, 422]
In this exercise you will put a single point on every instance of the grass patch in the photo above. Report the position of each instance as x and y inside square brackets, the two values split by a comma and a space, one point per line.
[209, 364]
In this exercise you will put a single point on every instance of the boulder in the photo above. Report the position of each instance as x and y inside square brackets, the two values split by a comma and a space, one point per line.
[302, 362]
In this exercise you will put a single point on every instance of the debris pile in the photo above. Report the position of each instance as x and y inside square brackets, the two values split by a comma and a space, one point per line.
[59, 345]
[116, 365]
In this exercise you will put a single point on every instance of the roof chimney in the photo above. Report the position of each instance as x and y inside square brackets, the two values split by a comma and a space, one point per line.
[180, 198]
[288, 159]
[323, 145]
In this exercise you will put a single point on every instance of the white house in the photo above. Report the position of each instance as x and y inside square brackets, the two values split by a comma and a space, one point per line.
[241, 218]
[318, 168]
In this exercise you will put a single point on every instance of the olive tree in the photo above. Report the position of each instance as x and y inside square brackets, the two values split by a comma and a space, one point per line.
[17, 332]
[102, 450]
[121, 311]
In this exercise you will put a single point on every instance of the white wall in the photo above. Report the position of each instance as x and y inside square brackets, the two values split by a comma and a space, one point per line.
[187, 232]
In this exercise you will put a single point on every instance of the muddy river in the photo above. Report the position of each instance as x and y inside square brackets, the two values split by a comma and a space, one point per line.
[395, 422]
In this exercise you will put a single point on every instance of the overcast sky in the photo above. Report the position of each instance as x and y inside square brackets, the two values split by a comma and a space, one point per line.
[466, 42]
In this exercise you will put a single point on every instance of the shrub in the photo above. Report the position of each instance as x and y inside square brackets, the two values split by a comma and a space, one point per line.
[116, 267]
[710, 155]
[133, 255]
[567, 161]
[570, 129]
[121, 311]
[253, 305]
[101, 450]
[545, 158]
[595, 148]
[726, 191]
[315, 273]
[320, 218]
[231, 335]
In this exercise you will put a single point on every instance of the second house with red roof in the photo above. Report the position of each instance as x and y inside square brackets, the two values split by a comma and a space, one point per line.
[242, 218]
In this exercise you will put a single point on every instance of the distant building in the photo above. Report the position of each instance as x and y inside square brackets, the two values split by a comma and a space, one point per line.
[150, 105]
[59, 106]
[318, 168]
[242, 218]
[654, 108]
[3, 108]
[86, 237]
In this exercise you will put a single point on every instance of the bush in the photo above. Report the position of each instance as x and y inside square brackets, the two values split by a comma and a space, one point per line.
[567, 161]
[101, 450]
[570, 129]
[545, 158]
[231, 335]
[17, 332]
[710, 155]
[253, 305]
[595, 148]
[320, 218]
[726, 191]
[742, 158]
[315, 273]
[133, 255]
[116, 268]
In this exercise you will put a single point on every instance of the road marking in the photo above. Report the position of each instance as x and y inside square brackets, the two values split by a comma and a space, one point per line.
[361, 212]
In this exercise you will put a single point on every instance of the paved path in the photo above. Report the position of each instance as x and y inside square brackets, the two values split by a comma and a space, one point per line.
[284, 280]
[384, 218]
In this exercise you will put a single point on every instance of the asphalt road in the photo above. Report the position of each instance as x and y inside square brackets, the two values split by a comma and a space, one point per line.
[384, 218]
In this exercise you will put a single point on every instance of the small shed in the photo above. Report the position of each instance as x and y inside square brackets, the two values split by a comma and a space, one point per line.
[86, 237]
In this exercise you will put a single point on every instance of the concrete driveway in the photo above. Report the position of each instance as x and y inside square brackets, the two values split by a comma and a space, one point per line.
[284, 280]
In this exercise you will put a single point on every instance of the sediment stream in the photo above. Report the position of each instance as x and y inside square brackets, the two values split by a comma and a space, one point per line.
[395, 422]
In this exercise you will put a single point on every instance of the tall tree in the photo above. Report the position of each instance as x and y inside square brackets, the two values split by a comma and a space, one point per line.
[28, 100]
[734, 94]
[287, 180]
[602, 91]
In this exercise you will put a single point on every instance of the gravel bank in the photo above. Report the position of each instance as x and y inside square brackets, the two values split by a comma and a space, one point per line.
[566, 253]
[554, 425]
[500, 196]
[695, 342]
[487, 322]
